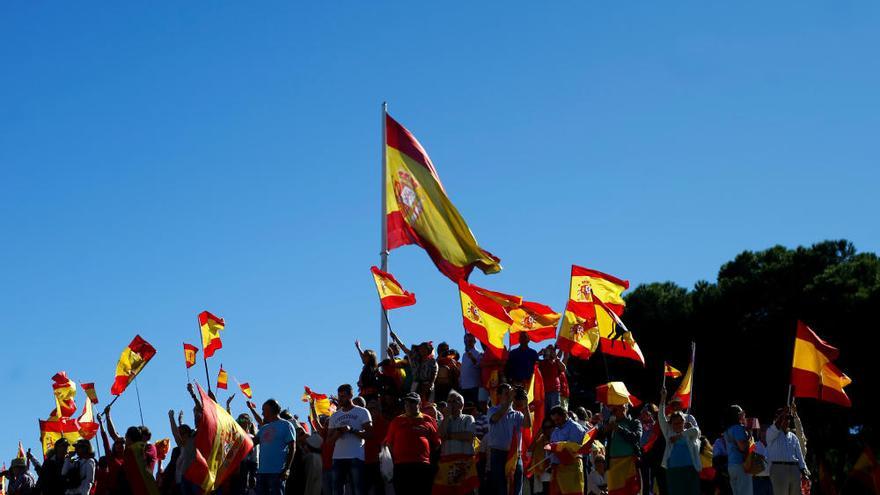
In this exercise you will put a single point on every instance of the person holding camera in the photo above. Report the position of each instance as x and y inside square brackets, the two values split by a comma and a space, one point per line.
[505, 423]
[79, 469]
[787, 466]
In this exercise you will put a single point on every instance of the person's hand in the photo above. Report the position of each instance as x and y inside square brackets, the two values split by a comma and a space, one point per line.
[229, 400]
[251, 405]
[180, 417]
[357, 344]
[663, 394]
[98, 417]
[171, 413]
[107, 410]
[793, 407]
[29, 455]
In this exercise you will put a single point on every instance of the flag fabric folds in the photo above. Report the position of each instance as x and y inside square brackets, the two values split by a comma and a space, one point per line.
[605, 293]
[20, 454]
[65, 391]
[246, 390]
[418, 210]
[131, 362]
[322, 402]
[484, 318]
[211, 326]
[537, 320]
[684, 388]
[222, 379]
[623, 476]
[89, 389]
[137, 473]
[456, 475]
[669, 371]
[189, 354]
[221, 444]
[579, 333]
[88, 427]
[53, 430]
[391, 293]
[813, 373]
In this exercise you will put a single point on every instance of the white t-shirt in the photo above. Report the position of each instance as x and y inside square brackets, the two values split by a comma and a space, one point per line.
[470, 372]
[349, 445]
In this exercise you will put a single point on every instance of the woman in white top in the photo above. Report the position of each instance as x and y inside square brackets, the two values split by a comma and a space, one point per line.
[681, 459]
[80, 473]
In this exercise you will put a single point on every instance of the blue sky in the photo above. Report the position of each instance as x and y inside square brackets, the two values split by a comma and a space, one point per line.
[165, 158]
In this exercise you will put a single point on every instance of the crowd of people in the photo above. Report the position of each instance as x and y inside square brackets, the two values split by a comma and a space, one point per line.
[425, 420]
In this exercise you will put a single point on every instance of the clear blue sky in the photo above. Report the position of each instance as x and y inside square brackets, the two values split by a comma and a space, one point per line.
[165, 158]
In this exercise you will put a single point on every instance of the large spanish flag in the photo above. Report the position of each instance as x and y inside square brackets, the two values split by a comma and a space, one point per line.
[419, 212]
[221, 445]
[537, 320]
[211, 326]
[605, 292]
[391, 293]
[131, 362]
[53, 430]
[813, 373]
[456, 475]
[484, 318]
[579, 334]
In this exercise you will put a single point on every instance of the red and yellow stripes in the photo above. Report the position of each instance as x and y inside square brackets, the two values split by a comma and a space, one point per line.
[484, 318]
[670, 371]
[246, 390]
[623, 476]
[579, 334]
[456, 475]
[211, 326]
[189, 354]
[222, 379]
[537, 320]
[684, 388]
[419, 212]
[813, 373]
[221, 445]
[132, 360]
[89, 389]
[391, 293]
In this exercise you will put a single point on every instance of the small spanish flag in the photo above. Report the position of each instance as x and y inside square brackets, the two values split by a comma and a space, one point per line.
[222, 379]
[89, 389]
[391, 293]
[683, 394]
[88, 428]
[246, 390]
[131, 362]
[322, 402]
[20, 454]
[669, 371]
[484, 318]
[211, 326]
[813, 373]
[189, 354]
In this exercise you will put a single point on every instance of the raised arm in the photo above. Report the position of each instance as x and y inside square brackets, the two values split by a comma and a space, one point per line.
[661, 415]
[253, 409]
[228, 402]
[174, 427]
[357, 345]
[400, 343]
[110, 428]
[316, 423]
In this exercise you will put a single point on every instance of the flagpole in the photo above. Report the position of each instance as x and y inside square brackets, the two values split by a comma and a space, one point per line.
[693, 372]
[383, 253]
[138, 392]
[663, 386]
[204, 358]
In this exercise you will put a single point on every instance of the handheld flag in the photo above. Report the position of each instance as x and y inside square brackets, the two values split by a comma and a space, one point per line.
[669, 371]
[65, 391]
[418, 211]
[537, 320]
[189, 354]
[162, 448]
[246, 390]
[54, 430]
[221, 444]
[579, 333]
[132, 360]
[211, 326]
[322, 402]
[683, 394]
[89, 389]
[20, 454]
[813, 373]
[222, 378]
[615, 394]
[88, 428]
[391, 293]
[484, 318]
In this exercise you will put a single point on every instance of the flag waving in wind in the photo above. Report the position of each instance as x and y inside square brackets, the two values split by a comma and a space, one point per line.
[222, 378]
[669, 371]
[391, 293]
[813, 373]
[246, 390]
[211, 326]
[131, 362]
[484, 318]
[89, 389]
[418, 210]
[189, 354]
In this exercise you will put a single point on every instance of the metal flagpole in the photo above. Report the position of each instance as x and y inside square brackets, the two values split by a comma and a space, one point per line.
[204, 358]
[383, 253]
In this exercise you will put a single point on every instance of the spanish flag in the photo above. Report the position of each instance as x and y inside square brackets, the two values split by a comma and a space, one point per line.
[222, 378]
[669, 371]
[484, 318]
[131, 362]
[813, 373]
[579, 334]
[246, 390]
[211, 326]
[189, 354]
[391, 293]
[88, 428]
[65, 392]
[20, 454]
[684, 388]
[53, 430]
[605, 292]
[221, 444]
[615, 394]
[322, 402]
[623, 476]
[89, 389]
[419, 212]
[537, 320]
[456, 475]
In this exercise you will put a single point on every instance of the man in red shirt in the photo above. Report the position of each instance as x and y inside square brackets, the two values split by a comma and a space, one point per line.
[412, 437]
[552, 368]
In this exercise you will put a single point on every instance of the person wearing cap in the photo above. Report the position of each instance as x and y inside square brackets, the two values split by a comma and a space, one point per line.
[787, 466]
[411, 439]
[79, 471]
[505, 421]
[50, 481]
[21, 482]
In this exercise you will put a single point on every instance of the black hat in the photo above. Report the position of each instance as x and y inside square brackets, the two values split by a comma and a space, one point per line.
[412, 396]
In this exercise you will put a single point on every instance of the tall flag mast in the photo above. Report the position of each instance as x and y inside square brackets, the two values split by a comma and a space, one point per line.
[383, 236]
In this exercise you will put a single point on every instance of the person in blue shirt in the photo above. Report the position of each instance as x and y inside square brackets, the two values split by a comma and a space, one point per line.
[521, 362]
[681, 456]
[567, 430]
[506, 421]
[277, 441]
[736, 439]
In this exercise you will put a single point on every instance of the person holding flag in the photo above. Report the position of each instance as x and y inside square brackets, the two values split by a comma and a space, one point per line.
[457, 470]
[506, 421]
[681, 457]
[567, 467]
[623, 435]
[21, 482]
[787, 466]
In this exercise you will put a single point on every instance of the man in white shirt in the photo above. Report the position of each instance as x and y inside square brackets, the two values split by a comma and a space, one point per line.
[470, 370]
[348, 427]
[787, 466]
